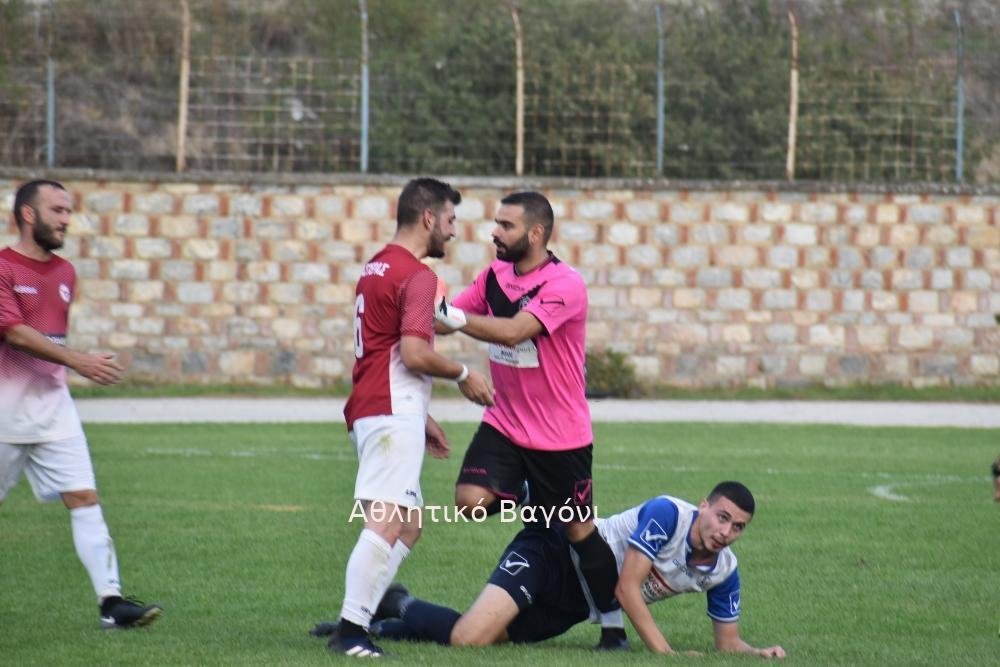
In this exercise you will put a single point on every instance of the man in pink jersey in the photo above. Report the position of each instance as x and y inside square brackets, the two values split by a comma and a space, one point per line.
[386, 413]
[40, 431]
[532, 310]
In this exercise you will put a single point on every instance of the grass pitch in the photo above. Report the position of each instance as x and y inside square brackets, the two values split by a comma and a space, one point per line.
[871, 546]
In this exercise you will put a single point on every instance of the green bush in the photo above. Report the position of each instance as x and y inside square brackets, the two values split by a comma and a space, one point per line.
[610, 374]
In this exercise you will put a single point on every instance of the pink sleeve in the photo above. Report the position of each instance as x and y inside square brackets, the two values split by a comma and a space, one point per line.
[10, 312]
[416, 305]
[559, 301]
[473, 297]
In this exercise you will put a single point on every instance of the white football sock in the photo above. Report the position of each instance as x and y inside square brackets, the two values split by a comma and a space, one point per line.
[612, 619]
[95, 549]
[399, 553]
[367, 577]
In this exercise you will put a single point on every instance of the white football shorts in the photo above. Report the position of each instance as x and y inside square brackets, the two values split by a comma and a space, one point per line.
[52, 468]
[390, 455]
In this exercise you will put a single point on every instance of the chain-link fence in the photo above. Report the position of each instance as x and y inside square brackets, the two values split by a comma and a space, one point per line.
[281, 87]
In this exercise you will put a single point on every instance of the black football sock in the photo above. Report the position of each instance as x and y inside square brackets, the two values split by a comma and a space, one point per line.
[430, 621]
[599, 569]
[351, 630]
[397, 630]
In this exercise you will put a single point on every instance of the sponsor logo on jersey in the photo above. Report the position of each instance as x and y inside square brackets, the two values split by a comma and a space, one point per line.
[655, 587]
[375, 269]
[64, 292]
[513, 563]
[25, 289]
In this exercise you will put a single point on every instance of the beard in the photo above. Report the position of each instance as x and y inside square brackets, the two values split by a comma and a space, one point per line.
[512, 253]
[435, 245]
[45, 235]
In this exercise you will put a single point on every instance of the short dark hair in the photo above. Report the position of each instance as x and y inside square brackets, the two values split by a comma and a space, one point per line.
[995, 468]
[737, 493]
[537, 209]
[27, 193]
[421, 194]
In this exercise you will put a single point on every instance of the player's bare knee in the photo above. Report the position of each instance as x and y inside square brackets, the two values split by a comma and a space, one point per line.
[468, 497]
[465, 635]
[82, 498]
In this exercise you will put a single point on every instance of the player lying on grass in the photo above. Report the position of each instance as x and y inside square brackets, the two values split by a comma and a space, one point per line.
[664, 547]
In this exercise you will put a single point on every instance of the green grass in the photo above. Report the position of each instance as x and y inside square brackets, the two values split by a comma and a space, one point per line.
[860, 392]
[241, 532]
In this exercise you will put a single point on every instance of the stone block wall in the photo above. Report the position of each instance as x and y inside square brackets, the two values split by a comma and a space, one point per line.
[706, 284]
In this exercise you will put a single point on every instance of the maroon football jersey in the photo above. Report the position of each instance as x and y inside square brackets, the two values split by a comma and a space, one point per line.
[394, 298]
[35, 405]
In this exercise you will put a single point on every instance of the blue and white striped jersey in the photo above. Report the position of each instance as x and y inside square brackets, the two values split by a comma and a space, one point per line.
[661, 529]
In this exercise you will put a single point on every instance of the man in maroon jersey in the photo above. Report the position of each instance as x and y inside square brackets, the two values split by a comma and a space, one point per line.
[386, 413]
[40, 431]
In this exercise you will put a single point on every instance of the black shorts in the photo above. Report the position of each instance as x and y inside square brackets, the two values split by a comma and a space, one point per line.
[554, 478]
[537, 571]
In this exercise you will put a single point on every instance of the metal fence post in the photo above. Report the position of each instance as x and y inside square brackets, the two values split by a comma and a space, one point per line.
[660, 135]
[364, 85]
[793, 99]
[515, 13]
[960, 102]
[185, 78]
[50, 113]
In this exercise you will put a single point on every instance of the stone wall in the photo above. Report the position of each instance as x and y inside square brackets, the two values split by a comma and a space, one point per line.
[701, 284]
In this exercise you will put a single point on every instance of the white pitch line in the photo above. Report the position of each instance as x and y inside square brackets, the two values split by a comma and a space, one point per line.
[884, 491]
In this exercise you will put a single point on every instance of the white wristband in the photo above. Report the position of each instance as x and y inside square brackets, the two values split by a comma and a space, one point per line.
[464, 375]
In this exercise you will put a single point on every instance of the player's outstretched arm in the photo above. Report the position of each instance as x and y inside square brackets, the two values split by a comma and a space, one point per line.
[727, 639]
[635, 570]
[504, 330]
[101, 368]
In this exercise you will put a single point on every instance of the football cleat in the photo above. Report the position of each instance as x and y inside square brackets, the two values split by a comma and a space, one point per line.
[325, 628]
[354, 647]
[392, 603]
[118, 613]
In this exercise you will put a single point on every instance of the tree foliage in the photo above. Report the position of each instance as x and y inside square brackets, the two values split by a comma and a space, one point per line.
[443, 81]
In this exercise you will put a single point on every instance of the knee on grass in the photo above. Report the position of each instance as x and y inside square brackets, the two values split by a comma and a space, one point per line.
[463, 635]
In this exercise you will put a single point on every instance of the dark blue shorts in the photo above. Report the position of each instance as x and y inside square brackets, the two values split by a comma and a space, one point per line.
[536, 570]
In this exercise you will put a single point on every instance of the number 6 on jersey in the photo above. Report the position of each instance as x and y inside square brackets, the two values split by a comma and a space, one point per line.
[359, 310]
